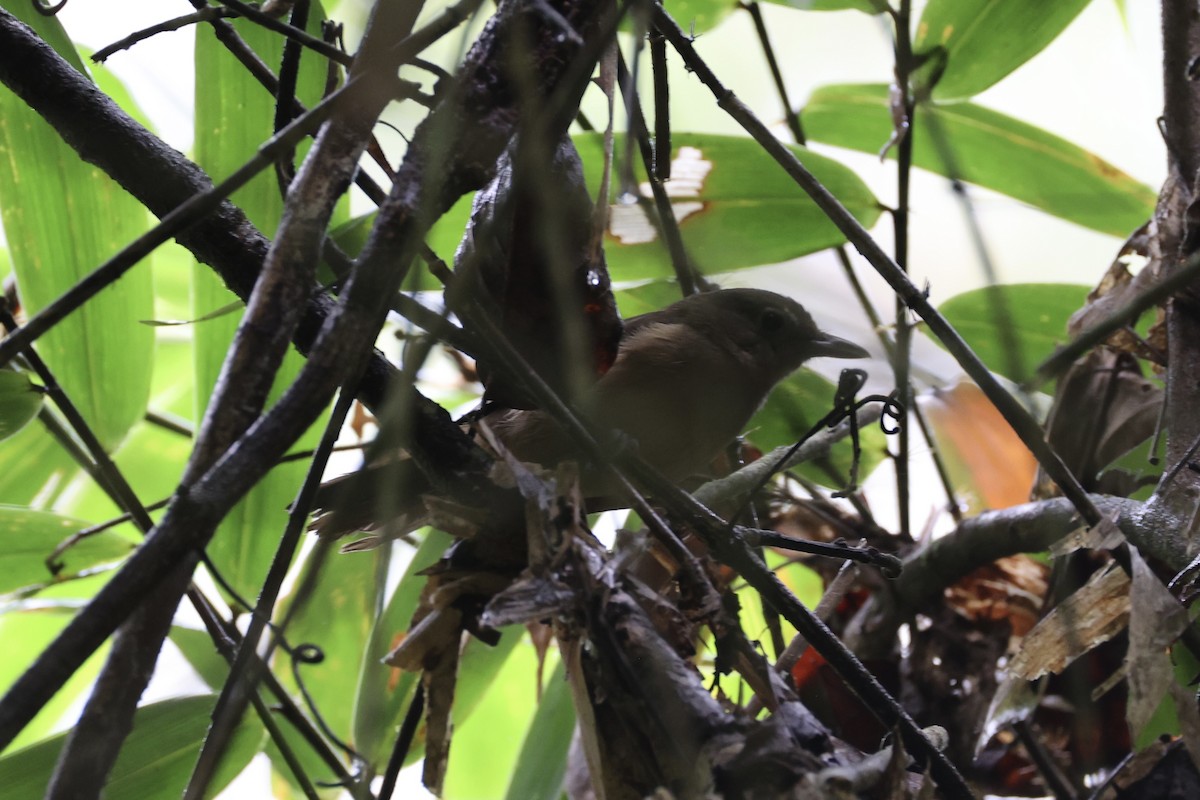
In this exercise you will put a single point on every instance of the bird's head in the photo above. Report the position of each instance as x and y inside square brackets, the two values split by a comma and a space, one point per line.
[771, 333]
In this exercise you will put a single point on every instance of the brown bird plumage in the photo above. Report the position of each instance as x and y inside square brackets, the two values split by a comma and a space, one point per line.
[685, 382]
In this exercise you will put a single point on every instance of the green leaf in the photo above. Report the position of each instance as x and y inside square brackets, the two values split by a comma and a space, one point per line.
[336, 617]
[733, 201]
[542, 763]
[20, 402]
[803, 581]
[26, 631]
[647, 297]
[63, 218]
[198, 648]
[789, 414]
[481, 761]
[27, 537]
[480, 667]
[868, 6]
[975, 43]
[1123, 10]
[989, 149]
[699, 16]
[33, 467]
[234, 115]
[152, 461]
[1034, 314]
[384, 692]
[156, 760]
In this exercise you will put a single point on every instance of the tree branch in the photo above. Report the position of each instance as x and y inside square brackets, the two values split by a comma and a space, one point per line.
[1178, 239]
[470, 132]
[1028, 528]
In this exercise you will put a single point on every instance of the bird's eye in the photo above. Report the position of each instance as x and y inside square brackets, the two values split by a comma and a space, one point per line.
[771, 320]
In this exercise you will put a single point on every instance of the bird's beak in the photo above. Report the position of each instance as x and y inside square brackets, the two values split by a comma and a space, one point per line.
[828, 345]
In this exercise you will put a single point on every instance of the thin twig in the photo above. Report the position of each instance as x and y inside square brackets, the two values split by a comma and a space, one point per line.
[903, 110]
[169, 422]
[997, 302]
[829, 602]
[890, 564]
[789, 113]
[292, 32]
[889, 347]
[690, 279]
[404, 740]
[203, 15]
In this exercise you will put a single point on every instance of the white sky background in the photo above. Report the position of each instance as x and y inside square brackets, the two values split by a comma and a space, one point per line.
[1098, 85]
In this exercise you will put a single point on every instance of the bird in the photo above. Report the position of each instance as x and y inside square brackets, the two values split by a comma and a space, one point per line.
[685, 381]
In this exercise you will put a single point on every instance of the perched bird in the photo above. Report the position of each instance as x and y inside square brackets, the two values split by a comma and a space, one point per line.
[685, 381]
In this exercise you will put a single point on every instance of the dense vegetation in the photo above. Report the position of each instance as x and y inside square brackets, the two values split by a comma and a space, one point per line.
[171, 391]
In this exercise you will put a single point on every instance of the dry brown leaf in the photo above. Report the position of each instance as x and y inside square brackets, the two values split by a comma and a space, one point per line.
[1118, 287]
[1104, 536]
[985, 457]
[1155, 620]
[1010, 589]
[1104, 408]
[1098, 611]
[360, 418]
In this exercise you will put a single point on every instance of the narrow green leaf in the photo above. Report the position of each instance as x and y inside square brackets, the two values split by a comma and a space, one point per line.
[989, 149]
[335, 617]
[1123, 10]
[542, 764]
[27, 537]
[481, 761]
[1035, 314]
[20, 402]
[62, 219]
[156, 760]
[234, 115]
[479, 668]
[975, 43]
